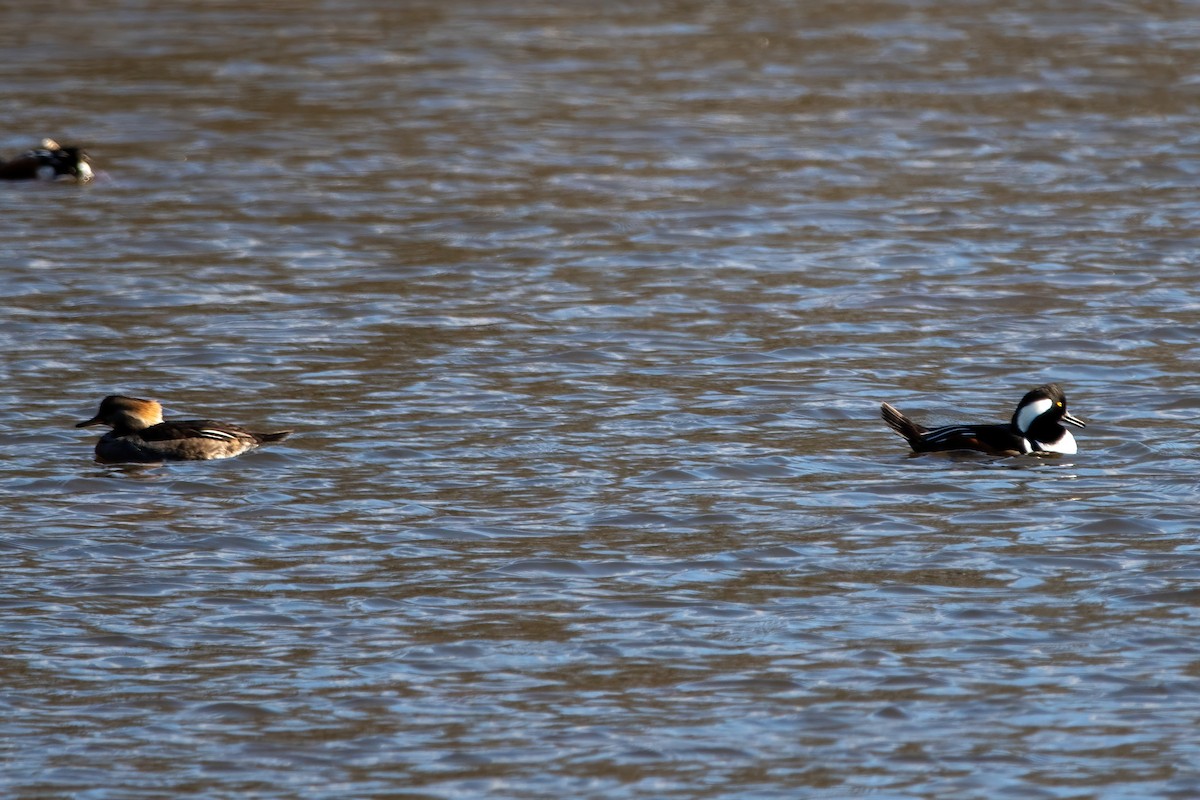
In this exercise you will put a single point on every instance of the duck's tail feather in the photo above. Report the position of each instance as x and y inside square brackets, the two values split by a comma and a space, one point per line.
[902, 424]
[277, 436]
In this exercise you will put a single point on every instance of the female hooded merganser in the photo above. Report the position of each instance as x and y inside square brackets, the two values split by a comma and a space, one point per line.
[139, 435]
[50, 162]
[1034, 428]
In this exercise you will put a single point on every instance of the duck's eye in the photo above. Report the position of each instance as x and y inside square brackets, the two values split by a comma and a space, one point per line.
[1059, 404]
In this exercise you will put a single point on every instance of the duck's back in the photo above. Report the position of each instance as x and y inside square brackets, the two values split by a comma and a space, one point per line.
[182, 440]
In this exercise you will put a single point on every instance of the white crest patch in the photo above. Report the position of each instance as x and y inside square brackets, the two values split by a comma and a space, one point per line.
[1029, 413]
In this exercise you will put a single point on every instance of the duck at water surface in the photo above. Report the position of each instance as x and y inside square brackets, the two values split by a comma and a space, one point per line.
[140, 435]
[50, 162]
[1035, 428]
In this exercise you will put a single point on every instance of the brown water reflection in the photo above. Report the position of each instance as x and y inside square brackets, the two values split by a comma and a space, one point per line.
[583, 315]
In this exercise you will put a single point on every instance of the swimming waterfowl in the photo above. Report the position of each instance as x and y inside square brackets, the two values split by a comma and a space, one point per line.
[1035, 428]
[140, 435]
[49, 162]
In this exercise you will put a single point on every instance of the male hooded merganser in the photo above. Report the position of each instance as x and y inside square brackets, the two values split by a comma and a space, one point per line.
[139, 434]
[1034, 428]
[50, 162]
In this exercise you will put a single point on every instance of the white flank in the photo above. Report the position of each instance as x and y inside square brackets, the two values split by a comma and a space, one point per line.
[1065, 445]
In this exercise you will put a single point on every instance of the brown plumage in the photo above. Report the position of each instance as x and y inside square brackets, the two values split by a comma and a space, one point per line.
[140, 435]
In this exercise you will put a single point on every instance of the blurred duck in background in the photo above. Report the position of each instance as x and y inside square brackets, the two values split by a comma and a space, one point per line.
[50, 162]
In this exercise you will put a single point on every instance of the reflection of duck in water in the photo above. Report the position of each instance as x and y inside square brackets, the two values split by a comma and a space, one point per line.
[1035, 428]
[140, 435]
[50, 162]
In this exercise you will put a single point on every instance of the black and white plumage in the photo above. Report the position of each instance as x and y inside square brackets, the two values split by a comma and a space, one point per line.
[140, 435]
[50, 162]
[1035, 428]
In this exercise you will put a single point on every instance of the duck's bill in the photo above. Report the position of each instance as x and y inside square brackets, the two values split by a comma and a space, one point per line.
[1074, 420]
[92, 421]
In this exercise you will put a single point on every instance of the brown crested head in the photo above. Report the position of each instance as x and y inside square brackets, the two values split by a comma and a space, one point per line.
[125, 413]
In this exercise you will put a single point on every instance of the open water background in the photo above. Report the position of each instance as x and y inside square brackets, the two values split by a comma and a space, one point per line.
[583, 313]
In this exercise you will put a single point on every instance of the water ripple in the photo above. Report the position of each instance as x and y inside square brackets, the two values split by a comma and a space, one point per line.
[583, 321]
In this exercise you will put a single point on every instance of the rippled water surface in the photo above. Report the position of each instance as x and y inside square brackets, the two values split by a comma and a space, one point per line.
[583, 314]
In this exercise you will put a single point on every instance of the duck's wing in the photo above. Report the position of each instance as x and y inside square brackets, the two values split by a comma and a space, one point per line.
[996, 439]
[195, 429]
